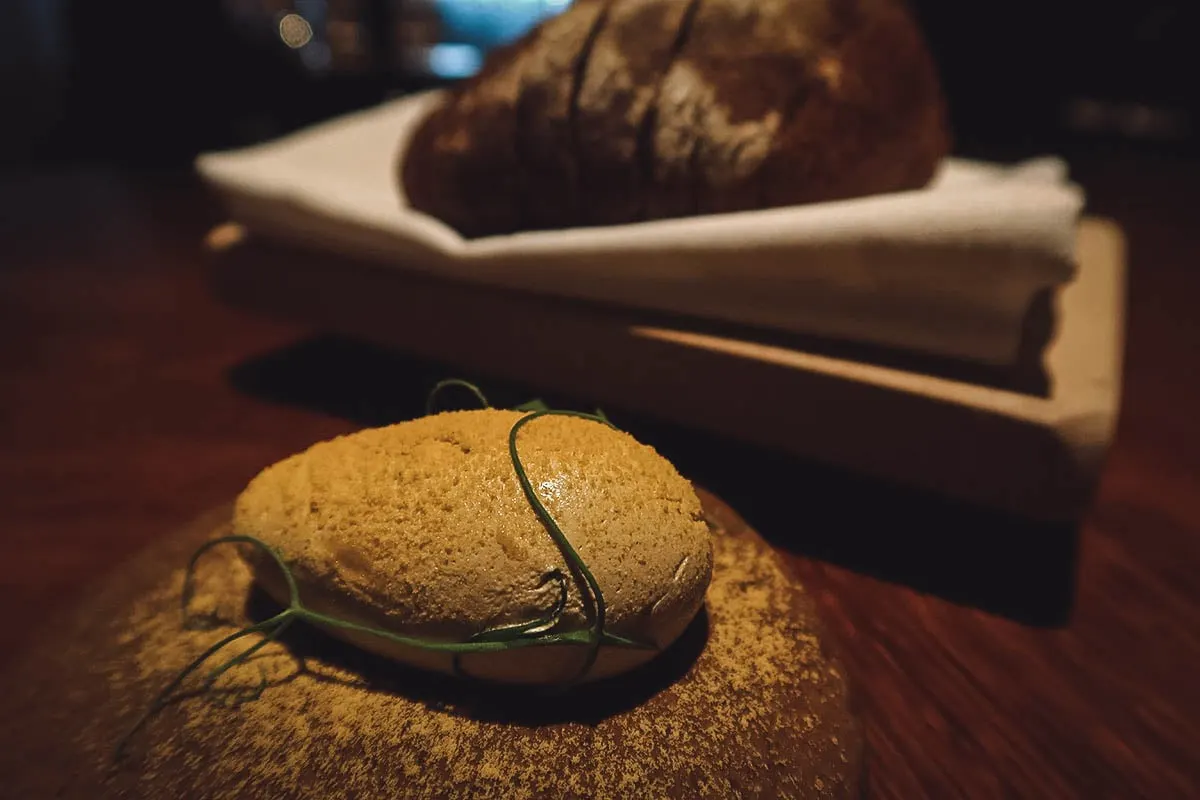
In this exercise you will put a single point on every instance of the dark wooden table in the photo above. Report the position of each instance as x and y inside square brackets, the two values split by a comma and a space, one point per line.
[990, 658]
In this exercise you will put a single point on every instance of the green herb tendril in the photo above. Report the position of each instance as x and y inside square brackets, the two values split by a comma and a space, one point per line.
[596, 634]
[537, 632]
[441, 386]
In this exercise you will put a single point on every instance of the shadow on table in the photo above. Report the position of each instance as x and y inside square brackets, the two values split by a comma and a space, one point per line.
[1002, 564]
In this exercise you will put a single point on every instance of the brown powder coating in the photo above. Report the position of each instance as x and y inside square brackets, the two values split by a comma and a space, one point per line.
[746, 704]
[684, 107]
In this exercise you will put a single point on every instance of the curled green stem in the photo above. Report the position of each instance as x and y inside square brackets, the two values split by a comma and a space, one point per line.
[441, 386]
[578, 566]
[164, 695]
[537, 632]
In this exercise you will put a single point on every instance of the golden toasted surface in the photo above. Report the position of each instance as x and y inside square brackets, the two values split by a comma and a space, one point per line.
[423, 527]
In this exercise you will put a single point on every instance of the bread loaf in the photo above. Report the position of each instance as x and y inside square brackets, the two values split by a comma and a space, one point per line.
[633, 110]
[422, 529]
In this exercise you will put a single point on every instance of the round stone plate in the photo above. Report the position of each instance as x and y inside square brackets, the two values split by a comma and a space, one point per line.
[748, 703]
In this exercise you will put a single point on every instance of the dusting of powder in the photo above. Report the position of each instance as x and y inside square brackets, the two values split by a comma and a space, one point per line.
[759, 710]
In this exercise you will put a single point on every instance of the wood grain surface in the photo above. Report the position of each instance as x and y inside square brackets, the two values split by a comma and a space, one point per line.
[991, 658]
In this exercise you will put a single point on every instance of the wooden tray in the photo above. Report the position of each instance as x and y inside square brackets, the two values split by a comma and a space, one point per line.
[1030, 439]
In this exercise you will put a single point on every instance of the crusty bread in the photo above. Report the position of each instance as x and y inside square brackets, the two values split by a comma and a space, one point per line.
[476, 140]
[545, 132]
[618, 96]
[421, 528]
[634, 110]
[744, 65]
[874, 111]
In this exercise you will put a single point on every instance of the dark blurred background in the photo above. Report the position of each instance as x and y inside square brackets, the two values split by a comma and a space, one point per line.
[151, 83]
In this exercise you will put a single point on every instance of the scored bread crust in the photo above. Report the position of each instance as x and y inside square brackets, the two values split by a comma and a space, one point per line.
[872, 108]
[546, 129]
[422, 528]
[472, 143]
[684, 107]
[725, 97]
[618, 99]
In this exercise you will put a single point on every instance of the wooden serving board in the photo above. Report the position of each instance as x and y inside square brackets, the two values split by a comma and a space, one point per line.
[1028, 439]
[749, 702]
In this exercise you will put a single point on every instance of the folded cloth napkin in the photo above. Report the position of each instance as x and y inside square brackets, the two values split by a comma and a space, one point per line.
[949, 270]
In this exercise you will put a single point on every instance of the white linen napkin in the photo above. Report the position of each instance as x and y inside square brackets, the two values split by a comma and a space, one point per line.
[949, 270]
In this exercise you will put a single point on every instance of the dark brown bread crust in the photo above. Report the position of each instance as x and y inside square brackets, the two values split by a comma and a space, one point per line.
[470, 144]
[546, 133]
[873, 110]
[682, 107]
[723, 100]
[617, 100]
